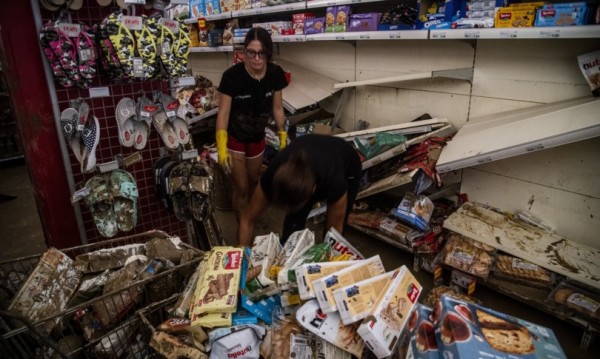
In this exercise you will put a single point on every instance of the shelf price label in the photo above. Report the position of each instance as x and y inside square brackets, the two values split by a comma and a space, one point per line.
[472, 34]
[356, 1]
[439, 35]
[550, 34]
[365, 37]
[510, 34]
[136, 2]
[340, 38]
[331, 3]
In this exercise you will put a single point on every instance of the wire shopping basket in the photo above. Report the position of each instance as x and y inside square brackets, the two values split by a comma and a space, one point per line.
[85, 329]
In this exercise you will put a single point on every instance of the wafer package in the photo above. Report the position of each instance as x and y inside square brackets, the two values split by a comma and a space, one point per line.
[217, 288]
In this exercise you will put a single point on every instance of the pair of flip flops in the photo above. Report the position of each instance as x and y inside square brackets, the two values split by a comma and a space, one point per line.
[147, 46]
[133, 121]
[83, 143]
[189, 187]
[113, 202]
[174, 50]
[170, 122]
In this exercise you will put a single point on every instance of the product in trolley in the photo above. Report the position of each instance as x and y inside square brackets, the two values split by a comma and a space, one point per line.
[264, 252]
[329, 326]
[294, 247]
[170, 346]
[382, 328]
[362, 270]
[107, 258]
[321, 348]
[288, 340]
[467, 330]
[356, 301]
[240, 342]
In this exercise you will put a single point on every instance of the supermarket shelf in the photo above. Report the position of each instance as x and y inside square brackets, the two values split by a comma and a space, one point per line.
[288, 38]
[270, 9]
[382, 236]
[369, 35]
[395, 81]
[393, 128]
[561, 32]
[326, 3]
[201, 117]
[385, 184]
[225, 15]
[212, 49]
[550, 251]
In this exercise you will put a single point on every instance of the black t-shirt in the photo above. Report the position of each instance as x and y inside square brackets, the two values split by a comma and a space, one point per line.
[251, 100]
[332, 159]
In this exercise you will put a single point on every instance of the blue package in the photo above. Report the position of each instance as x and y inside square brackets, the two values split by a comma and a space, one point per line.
[263, 309]
[419, 326]
[434, 25]
[197, 9]
[242, 316]
[561, 16]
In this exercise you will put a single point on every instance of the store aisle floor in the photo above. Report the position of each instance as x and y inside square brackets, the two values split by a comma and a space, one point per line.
[20, 227]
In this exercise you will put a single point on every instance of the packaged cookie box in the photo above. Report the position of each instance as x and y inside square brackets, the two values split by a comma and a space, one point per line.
[325, 286]
[298, 21]
[355, 301]
[363, 22]
[422, 344]
[515, 17]
[465, 330]
[382, 328]
[307, 273]
[576, 300]
[329, 327]
[517, 269]
[467, 255]
[571, 14]
[197, 8]
[212, 7]
[314, 26]
[217, 288]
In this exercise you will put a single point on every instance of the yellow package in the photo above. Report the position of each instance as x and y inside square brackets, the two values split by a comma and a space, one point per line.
[211, 320]
[527, 4]
[217, 288]
[518, 17]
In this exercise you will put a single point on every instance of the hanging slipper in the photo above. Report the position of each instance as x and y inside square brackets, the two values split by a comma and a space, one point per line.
[126, 117]
[165, 129]
[145, 110]
[146, 40]
[178, 191]
[110, 59]
[100, 204]
[200, 188]
[125, 194]
[166, 41]
[181, 49]
[171, 107]
[69, 119]
[90, 137]
[86, 56]
[49, 40]
[123, 42]
[162, 169]
[66, 52]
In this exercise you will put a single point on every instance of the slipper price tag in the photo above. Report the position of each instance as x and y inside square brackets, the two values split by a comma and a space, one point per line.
[132, 22]
[135, 2]
[138, 67]
[71, 30]
[171, 25]
[80, 194]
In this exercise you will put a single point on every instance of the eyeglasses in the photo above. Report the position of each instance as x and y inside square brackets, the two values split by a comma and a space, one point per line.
[252, 54]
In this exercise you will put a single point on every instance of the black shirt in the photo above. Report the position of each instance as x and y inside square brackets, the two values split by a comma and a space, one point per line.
[251, 99]
[333, 161]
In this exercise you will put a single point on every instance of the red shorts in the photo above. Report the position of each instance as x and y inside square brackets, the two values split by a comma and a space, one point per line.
[250, 149]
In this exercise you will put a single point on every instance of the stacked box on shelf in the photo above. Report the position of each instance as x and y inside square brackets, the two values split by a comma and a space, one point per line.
[439, 14]
[197, 9]
[364, 22]
[400, 17]
[298, 21]
[517, 15]
[479, 14]
[566, 14]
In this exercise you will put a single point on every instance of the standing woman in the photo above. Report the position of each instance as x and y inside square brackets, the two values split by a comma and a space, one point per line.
[250, 96]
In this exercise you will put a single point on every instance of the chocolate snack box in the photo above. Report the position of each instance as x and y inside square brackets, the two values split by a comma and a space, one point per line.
[465, 330]
[307, 273]
[423, 344]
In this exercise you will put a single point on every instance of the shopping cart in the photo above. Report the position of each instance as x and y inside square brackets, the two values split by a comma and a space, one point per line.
[75, 332]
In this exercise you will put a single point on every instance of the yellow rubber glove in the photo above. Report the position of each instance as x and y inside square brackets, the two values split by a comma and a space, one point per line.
[282, 140]
[224, 158]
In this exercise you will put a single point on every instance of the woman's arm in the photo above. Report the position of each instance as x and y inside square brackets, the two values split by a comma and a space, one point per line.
[223, 114]
[278, 113]
[336, 213]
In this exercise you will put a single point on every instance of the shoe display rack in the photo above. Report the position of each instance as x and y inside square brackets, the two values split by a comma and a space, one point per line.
[10, 143]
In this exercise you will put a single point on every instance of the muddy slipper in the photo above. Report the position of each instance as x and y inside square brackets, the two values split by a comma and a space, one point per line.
[165, 129]
[162, 169]
[171, 107]
[100, 204]
[178, 191]
[90, 137]
[126, 115]
[125, 194]
[140, 134]
[200, 187]
[69, 120]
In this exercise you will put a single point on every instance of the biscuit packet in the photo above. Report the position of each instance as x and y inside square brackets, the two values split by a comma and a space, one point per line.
[264, 252]
[307, 273]
[590, 67]
[288, 339]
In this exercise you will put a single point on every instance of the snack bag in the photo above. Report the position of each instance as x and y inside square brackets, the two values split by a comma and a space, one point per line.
[240, 342]
[264, 252]
[295, 246]
[590, 67]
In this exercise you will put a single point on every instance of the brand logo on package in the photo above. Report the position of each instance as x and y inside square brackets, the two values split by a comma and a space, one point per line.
[551, 13]
[240, 353]
[591, 64]
[318, 319]
[340, 247]
[412, 292]
[232, 260]
[505, 16]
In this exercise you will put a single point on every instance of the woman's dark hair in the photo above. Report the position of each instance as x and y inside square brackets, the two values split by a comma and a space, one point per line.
[293, 182]
[261, 35]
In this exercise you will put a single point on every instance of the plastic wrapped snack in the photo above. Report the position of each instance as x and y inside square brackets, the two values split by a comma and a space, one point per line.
[515, 268]
[317, 253]
[340, 246]
[241, 342]
[467, 255]
[288, 340]
[577, 300]
[415, 210]
[264, 252]
[297, 244]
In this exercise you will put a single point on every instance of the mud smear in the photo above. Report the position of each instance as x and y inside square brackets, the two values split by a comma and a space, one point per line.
[557, 259]
[498, 240]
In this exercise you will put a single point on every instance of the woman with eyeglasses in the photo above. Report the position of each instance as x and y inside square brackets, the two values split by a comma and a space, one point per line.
[250, 94]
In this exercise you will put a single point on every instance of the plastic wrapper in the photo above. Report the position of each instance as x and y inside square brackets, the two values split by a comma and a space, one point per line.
[589, 64]
[325, 286]
[287, 339]
[185, 299]
[421, 331]
[381, 330]
[381, 142]
[340, 246]
[355, 301]
[514, 268]
[576, 300]
[240, 342]
[172, 348]
[321, 348]
[467, 255]
[415, 210]
[307, 273]
[369, 219]
[435, 294]
[264, 252]
[91, 286]
[317, 253]
[295, 246]
[263, 308]
[329, 327]
[165, 248]
[212, 320]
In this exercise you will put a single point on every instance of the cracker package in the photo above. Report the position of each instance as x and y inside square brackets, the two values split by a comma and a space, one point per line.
[264, 252]
[307, 273]
[329, 326]
[293, 248]
[340, 245]
[211, 320]
[467, 330]
[355, 301]
[382, 328]
[217, 288]
[325, 286]
[48, 288]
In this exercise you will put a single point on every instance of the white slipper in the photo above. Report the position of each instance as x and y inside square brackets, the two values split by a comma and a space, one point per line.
[181, 130]
[126, 115]
[140, 134]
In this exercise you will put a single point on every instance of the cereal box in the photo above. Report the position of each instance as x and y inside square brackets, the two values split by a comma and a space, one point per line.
[325, 286]
[307, 273]
[355, 301]
[212, 7]
[382, 328]
[217, 288]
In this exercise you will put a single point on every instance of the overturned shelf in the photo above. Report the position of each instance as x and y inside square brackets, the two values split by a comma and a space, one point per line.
[306, 88]
[514, 133]
[557, 254]
[390, 182]
[394, 81]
